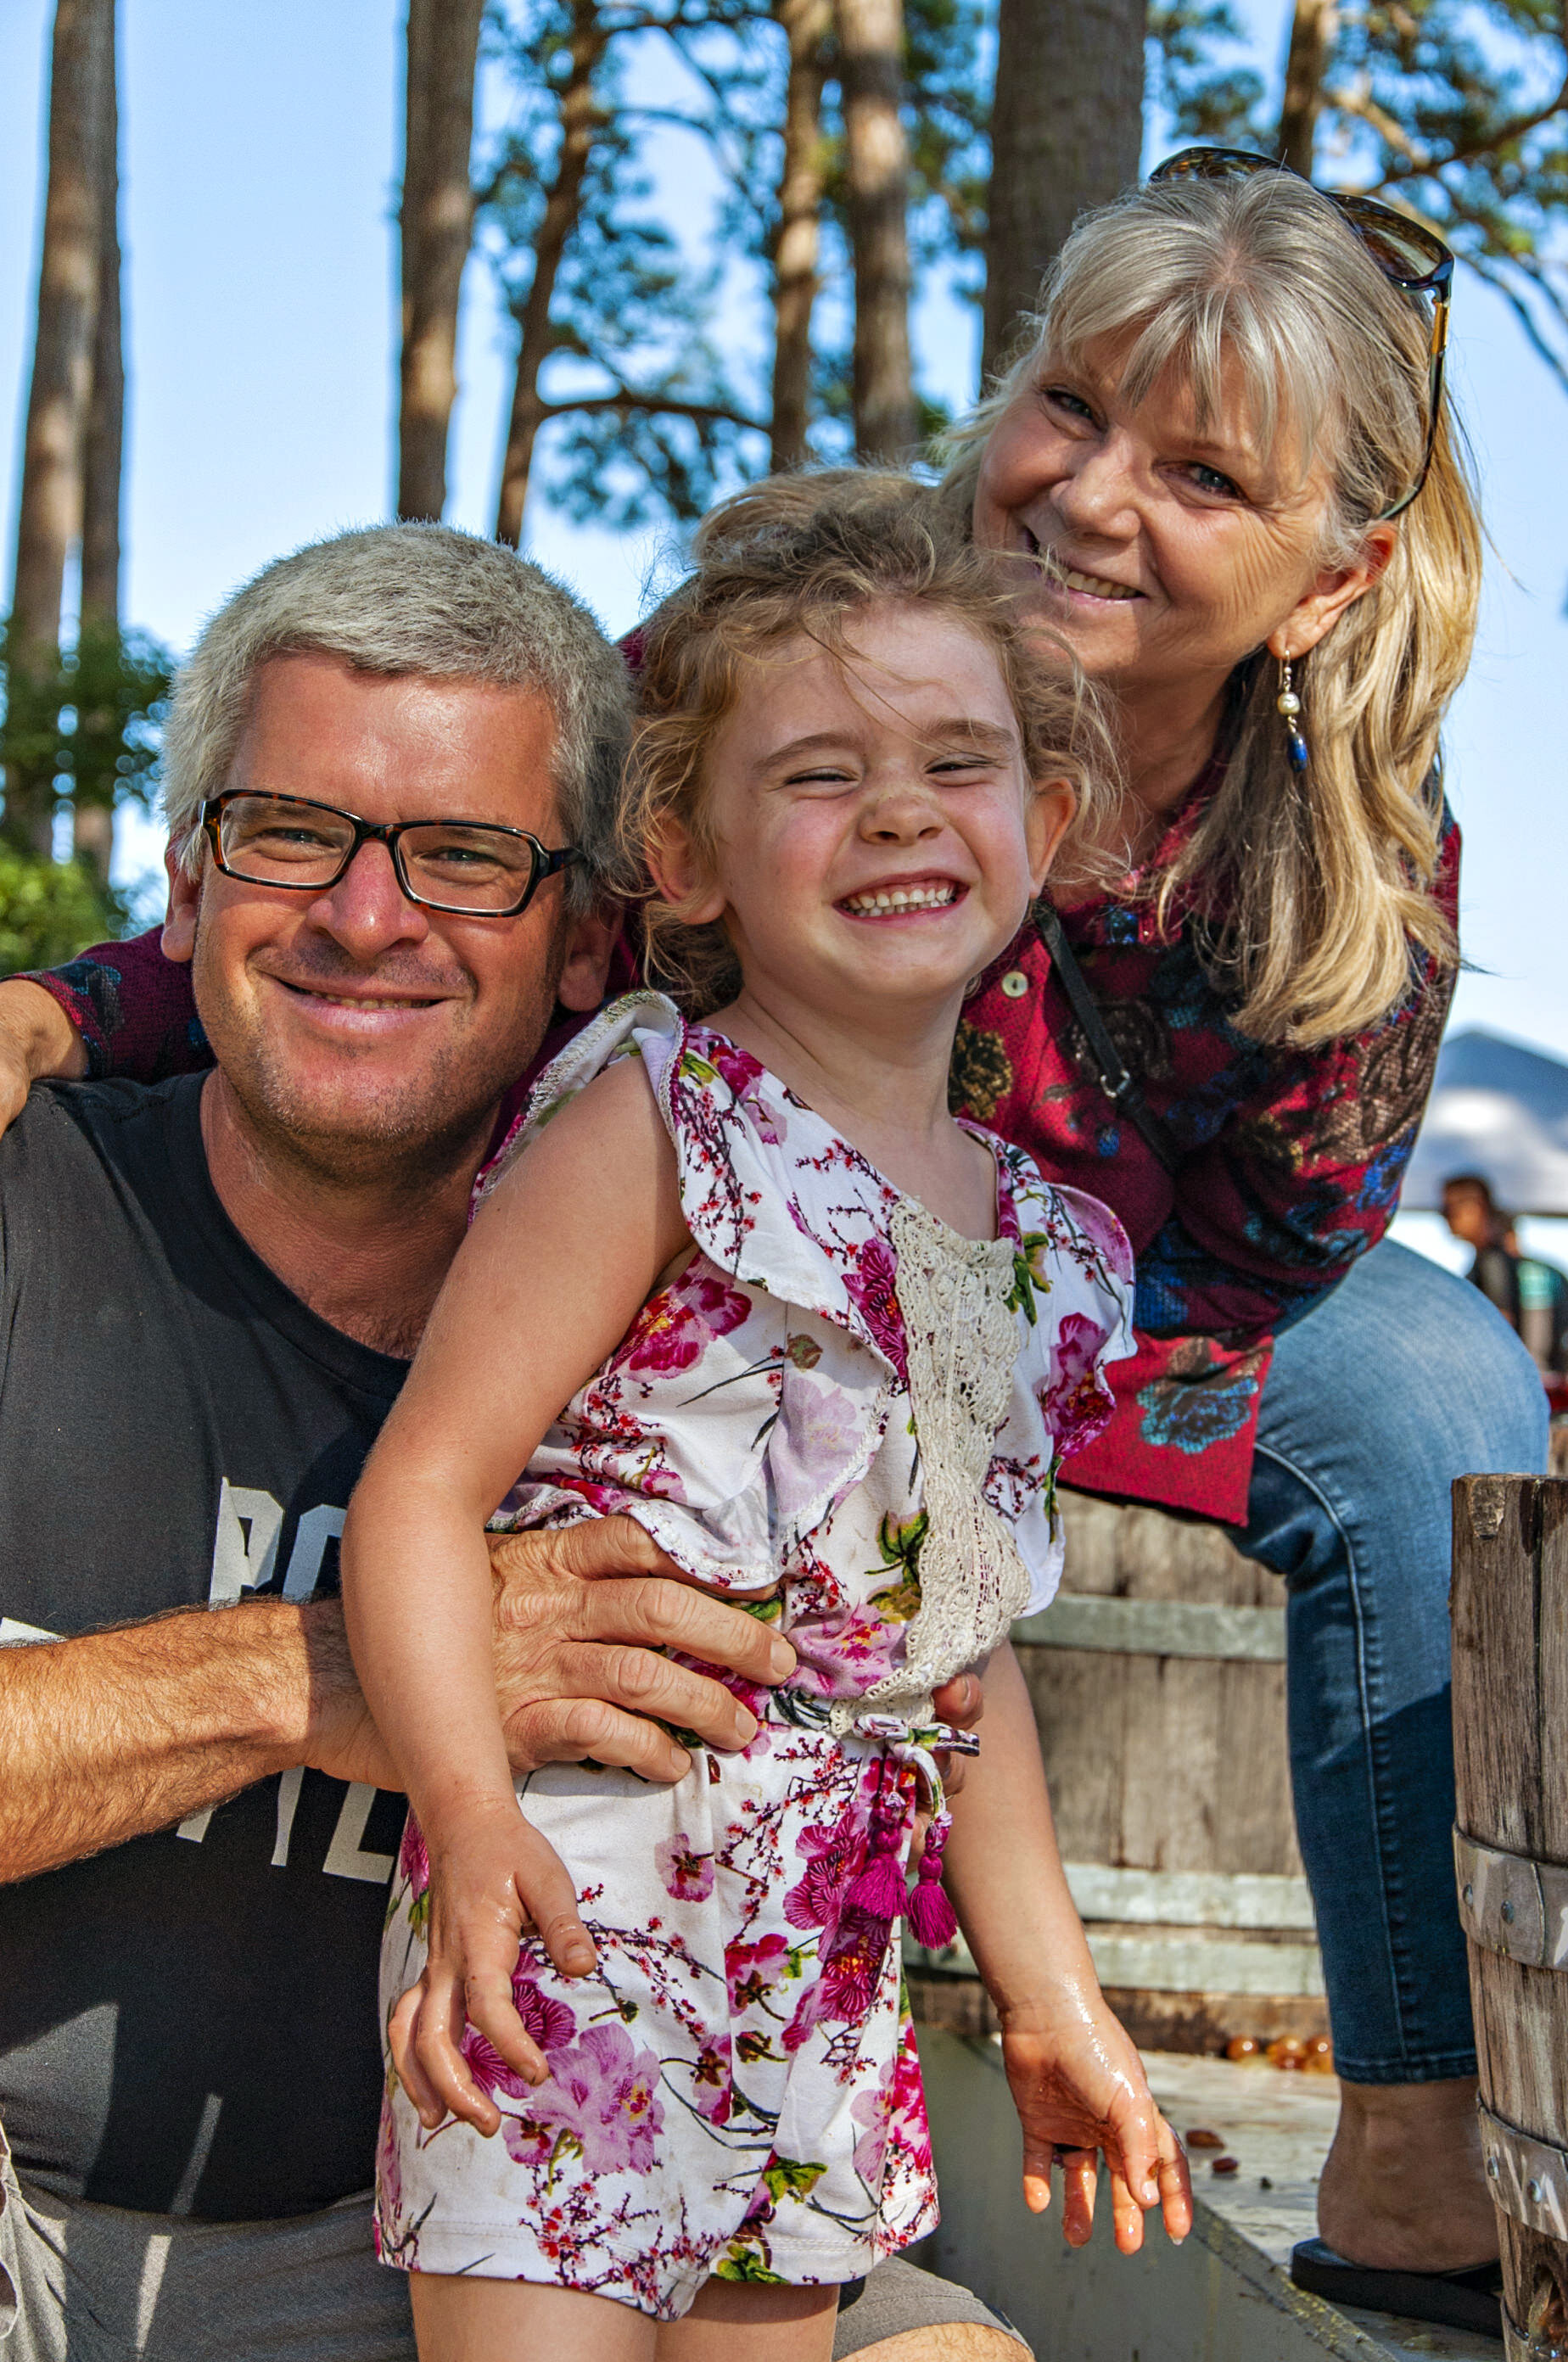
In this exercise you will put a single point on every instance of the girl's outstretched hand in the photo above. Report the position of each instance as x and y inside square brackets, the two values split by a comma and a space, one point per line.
[1079, 2087]
[495, 1883]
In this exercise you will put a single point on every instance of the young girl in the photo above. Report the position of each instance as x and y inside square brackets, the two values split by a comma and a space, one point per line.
[828, 1345]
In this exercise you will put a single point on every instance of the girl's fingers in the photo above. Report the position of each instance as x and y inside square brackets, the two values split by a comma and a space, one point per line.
[1175, 2185]
[549, 1898]
[435, 2047]
[493, 2013]
[1039, 2156]
[1080, 2174]
[401, 2027]
[1126, 2215]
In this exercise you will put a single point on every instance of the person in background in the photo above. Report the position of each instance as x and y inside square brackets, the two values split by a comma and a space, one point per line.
[1531, 1295]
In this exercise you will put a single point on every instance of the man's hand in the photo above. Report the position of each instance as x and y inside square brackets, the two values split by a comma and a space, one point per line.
[580, 1616]
[36, 1038]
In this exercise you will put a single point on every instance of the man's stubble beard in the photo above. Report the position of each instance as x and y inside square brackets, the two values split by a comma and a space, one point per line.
[414, 1137]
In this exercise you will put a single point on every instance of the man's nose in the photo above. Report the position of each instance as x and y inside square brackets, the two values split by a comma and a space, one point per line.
[367, 911]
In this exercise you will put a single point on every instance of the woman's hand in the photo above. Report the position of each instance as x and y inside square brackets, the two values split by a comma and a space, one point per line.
[495, 1881]
[36, 1039]
[1079, 2087]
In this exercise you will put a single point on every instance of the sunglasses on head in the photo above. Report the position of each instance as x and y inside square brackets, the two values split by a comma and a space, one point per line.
[1409, 256]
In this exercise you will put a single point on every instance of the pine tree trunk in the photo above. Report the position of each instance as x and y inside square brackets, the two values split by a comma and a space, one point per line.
[579, 121]
[1312, 31]
[871, 40]
[435, 220]
[94, 820]
[50, 512]
[1066, 133]
[805, 23]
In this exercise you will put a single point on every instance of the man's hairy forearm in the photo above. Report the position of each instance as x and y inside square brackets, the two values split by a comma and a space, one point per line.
[106, 1736]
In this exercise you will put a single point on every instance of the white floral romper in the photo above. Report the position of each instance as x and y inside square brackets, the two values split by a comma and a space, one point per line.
[838, 1394]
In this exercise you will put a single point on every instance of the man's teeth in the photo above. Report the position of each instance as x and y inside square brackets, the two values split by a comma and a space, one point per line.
[1096, 584]
[903, 898]
[360, 1000]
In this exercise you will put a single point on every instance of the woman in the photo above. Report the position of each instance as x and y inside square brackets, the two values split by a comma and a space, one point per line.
[1228, 476]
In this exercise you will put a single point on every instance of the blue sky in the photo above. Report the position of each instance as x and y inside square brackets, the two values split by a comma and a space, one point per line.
[259, 160]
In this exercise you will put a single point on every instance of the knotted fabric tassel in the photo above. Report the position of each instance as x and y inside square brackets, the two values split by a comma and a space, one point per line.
[931, 1918]
[879, 1888]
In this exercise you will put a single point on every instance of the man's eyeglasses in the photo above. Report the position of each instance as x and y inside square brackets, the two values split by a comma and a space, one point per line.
[1410, 255]
[474, 868]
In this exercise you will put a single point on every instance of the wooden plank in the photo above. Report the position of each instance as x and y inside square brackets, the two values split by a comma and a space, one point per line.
[1509, 1608]
[1157, 1627]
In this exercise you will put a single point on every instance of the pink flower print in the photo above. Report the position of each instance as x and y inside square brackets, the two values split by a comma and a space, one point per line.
[872, 1287]
[751, 1970]
[549, 2022]
[688, 1875]
[602, 2100]
[490, 2070]
[738, 1068]
[674, 1328]
[413, 1860]
[816, 1439]
[711, 2093]
[1077, 1403]
[847, 1980]
[836, 1857]
[873, 2112]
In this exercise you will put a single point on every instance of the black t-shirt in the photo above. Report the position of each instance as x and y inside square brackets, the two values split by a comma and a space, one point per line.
[188, 2021]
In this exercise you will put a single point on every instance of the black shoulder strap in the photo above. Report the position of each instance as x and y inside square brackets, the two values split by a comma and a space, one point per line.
[1109, 1071]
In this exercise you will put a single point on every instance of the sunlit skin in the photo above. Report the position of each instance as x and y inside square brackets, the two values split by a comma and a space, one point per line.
[900, 771]
[365, 1043]
[1199, 543]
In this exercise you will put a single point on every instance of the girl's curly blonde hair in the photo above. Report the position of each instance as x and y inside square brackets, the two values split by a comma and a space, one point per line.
[797, 557]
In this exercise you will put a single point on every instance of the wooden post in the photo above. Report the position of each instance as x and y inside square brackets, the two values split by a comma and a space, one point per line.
[1511, 1724]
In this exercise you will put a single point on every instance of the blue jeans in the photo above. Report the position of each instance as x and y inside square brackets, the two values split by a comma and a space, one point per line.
[1400, 1380]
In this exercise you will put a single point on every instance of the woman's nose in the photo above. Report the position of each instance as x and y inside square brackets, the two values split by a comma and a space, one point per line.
[1098, 492]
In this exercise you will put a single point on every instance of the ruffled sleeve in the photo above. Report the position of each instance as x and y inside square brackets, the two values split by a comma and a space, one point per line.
[1075, 1298]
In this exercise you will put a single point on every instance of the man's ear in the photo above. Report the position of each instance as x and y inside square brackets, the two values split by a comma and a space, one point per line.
[1332, 593]
[590, 942]
[184, 900]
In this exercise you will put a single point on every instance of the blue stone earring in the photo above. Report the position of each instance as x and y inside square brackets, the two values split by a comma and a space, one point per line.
[1289, 705]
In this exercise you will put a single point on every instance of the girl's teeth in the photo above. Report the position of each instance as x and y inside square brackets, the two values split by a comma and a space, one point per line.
[897, 898]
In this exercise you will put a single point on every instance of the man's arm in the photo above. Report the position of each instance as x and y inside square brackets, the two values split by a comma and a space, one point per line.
[105, 1738]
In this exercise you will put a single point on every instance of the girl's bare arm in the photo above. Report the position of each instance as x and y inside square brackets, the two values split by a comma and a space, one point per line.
[551, 1277]
[1077, 2081]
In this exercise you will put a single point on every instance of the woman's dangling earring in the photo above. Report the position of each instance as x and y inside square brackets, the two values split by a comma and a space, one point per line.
[1289, 705]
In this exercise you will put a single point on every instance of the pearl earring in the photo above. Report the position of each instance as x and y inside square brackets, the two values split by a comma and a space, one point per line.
[1289, 705]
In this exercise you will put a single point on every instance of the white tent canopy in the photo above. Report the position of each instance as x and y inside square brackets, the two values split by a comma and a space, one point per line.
[1500, 1110]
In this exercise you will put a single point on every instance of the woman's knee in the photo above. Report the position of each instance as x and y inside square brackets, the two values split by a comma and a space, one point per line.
[1409, 1374]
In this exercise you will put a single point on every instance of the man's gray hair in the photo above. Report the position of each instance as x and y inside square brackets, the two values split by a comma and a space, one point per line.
[420, 599]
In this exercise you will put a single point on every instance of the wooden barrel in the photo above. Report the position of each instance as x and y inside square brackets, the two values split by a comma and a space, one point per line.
[1158, 1682]
[1510, 1729]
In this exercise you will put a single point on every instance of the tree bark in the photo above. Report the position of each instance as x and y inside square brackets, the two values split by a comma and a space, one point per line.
[871, 40]
[435, 221]
[50, 512]
[580, 124]
[93, 824]
[805, 23]
[1066, 134]
[1312, 31]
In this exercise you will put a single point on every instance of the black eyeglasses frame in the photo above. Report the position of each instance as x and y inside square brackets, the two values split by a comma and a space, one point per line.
[543, 863]
[1361, 216]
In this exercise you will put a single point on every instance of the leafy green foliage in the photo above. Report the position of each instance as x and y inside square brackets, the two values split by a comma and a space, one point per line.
[49, 910]
[92, 721]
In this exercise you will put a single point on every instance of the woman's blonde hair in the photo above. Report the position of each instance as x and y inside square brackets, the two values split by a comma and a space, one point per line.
[1311, 889]
[800, 556]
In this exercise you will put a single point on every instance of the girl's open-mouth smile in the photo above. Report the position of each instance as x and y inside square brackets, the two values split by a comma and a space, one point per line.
[918, 897]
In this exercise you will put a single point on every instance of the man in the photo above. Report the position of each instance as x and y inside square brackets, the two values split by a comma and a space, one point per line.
[210, 1289]
[1531, 1295]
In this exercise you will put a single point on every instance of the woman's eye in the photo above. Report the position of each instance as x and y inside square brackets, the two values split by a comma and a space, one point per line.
[1210, 480]
[1058, 398]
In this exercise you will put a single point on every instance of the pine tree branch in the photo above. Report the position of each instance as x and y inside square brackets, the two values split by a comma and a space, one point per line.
[650, 404]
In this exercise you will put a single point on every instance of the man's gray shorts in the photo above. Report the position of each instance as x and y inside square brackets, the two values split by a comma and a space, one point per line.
[82, 2283]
